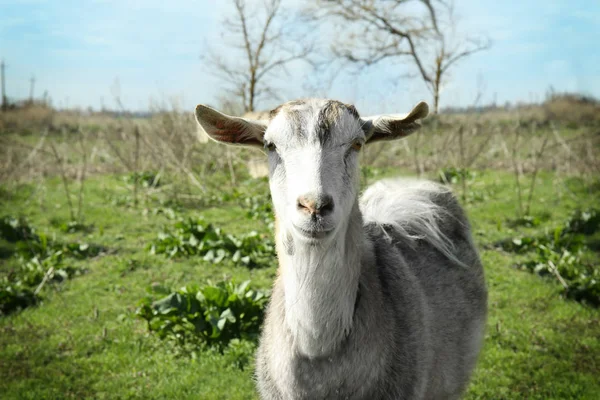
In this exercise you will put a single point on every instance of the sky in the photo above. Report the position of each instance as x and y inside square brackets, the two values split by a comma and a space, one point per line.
[86, 52]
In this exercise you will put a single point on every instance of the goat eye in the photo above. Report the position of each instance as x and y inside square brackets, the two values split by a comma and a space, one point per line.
[357, 145]
[270, 146]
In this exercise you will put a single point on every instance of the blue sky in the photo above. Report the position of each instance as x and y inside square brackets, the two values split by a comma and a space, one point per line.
[84, 52]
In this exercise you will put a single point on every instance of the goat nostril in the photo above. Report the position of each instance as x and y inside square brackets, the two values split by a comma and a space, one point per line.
[326, 206]
[306, 205]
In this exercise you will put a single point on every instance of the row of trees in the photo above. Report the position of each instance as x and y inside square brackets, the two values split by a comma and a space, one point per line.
[265, 38]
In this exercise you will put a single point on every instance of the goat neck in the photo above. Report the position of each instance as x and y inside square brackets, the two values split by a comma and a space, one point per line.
[320, 283]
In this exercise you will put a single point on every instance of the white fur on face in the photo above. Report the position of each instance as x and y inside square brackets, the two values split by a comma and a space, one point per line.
[304, 164]
[320, 276]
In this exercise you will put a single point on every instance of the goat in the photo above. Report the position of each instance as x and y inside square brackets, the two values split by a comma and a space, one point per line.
[378, 298]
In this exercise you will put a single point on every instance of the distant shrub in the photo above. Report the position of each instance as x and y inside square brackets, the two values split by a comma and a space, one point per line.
[26, 118]
[572, 109]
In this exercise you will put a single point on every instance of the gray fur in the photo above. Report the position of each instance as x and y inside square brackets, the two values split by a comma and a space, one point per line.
[418, 323]
[328, 115]
[391, 303]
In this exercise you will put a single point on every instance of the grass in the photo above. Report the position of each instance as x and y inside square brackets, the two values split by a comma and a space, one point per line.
[83, 339]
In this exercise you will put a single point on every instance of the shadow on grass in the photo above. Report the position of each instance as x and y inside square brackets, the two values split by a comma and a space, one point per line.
[41, 370]
[6, 250]
[593, 243]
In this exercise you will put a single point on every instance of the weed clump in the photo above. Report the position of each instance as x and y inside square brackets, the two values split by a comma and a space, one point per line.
[40, 260]
[225, 317]
[559, 253]
[15, 229]
[195, 237]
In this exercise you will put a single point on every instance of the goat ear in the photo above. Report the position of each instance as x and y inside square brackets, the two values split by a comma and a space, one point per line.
[227, 129]
[389, 127]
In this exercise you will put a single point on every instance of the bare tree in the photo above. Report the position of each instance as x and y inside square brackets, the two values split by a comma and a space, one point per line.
[264, 44]
[378, 30]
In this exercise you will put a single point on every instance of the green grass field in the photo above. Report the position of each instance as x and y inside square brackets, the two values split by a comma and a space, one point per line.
[84, 340]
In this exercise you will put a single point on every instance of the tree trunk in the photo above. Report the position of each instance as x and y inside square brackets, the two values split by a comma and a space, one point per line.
[437, 83]
[251, 94]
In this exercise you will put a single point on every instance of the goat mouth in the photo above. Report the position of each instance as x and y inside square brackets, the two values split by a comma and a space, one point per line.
[314, 233]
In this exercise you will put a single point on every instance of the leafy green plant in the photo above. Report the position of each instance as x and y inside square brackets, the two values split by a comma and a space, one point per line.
[43, 248]
[29, 244]
[559, 254]
[32, 271]
[586, 222]
[580, 281]
[212, 315]
[14, 296]
[558, 240]
[40, 260]
[15, 229]
[70, 226]
[21, 287]
[529, 221]
[569, 236]
[195, 237]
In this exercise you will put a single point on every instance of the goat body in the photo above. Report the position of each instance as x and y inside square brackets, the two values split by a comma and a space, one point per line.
[418, 313]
